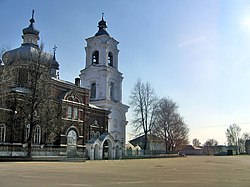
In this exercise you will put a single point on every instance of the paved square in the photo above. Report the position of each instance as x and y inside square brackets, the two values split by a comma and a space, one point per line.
[206, 171]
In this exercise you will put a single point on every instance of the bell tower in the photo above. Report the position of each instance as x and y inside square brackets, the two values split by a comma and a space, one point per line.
[102, 77]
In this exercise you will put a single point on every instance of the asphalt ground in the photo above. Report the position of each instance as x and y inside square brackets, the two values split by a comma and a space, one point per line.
[200, 171]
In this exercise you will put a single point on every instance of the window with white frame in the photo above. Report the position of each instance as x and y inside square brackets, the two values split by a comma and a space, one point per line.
[2, 133]
[37, 134]
[27, 132]
[75, 113]
[69, 112]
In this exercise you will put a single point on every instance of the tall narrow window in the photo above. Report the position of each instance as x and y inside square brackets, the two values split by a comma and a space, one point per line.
[2, 133]
[75, 113]
[112, 90]
[93, 91]
[110, 59]
[27, 132]
[22, 77]
[92, 135]
[69, 112]
[95, 57]
[37, 134]
[97, 134]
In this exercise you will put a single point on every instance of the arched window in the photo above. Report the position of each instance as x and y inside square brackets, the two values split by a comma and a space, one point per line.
[37, 134]
[97, 134]
[75, 113]
[92, 135]
[95, 57]
[93, 91]
[112, 91]
[2, 133]
[69, 112]
[110, 59]
[27, 132]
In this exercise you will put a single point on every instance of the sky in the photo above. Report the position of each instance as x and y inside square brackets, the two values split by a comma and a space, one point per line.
[195, 52]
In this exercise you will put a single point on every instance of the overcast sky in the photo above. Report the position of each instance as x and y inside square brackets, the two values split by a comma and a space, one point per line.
[195, 52]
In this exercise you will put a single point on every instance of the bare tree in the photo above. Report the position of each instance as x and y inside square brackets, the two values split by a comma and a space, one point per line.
[143, 101]
[246, 136]
[6, 77]
[233, 135]
[3, 48]
[242, 141]
[40, 108]
[196, 142]
[210, 145]
[211, 142]
[169, 125]
[32, 96]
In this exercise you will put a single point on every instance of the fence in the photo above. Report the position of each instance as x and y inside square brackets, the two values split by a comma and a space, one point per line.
[19, 151]
[129, 153]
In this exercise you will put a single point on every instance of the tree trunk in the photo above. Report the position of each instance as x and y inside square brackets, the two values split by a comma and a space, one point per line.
[29, 148]
[166, 146]
[145, 142]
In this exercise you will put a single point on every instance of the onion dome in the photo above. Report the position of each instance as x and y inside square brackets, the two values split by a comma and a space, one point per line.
[30, 34]
[31, 29]
[102, 25]
[29, 51]
[54, 63]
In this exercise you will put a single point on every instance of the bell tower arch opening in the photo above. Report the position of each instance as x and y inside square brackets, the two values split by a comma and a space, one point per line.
[95, 57]
[110, 59]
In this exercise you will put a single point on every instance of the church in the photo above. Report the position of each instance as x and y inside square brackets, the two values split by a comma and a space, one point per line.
[42, 115]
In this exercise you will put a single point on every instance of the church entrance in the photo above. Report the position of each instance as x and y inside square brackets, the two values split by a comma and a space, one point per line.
[107, 150]
[71, 144]
[96, 152]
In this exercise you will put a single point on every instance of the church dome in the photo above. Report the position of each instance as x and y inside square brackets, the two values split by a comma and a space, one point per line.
[29, 51]
[31, 28]
[30, 34]
[54, 63]
[102, 28]
[27, 54]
